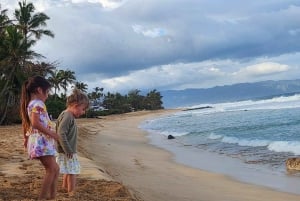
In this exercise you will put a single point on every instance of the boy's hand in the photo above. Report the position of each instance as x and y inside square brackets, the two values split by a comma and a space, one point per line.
[70, 155]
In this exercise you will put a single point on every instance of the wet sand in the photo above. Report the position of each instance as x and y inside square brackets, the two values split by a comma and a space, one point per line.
[150, 173]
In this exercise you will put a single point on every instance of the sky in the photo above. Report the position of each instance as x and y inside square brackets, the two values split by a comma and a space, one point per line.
[122, 45]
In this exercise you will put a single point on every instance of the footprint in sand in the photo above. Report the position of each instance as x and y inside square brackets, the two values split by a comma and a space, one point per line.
[25, 166]
[138, 163]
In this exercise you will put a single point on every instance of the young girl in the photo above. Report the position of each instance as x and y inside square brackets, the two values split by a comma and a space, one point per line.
[39, 132]
[67, 130]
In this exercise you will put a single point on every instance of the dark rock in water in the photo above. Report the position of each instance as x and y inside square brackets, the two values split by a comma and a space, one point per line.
[170, 137]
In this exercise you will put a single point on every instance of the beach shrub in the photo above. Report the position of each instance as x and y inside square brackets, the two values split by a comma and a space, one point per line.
[55, 107]
[14, 115]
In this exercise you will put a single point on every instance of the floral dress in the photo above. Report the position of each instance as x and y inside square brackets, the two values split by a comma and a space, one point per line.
[40, 144]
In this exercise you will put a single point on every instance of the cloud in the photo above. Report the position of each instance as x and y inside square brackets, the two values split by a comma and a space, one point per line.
[153, 33]
[171, 76]
[262, 69]
[199, 75]
[172, 44]
[107, 4]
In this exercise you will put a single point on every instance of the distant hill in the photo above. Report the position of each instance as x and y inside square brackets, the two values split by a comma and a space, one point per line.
[236, 92]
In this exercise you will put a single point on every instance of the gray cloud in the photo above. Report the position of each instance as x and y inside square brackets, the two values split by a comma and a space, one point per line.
[130, 39]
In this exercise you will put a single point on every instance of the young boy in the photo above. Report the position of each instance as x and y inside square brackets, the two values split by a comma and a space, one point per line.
[67, 158]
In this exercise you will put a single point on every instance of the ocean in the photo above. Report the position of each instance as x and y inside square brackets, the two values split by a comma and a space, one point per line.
[246, 140]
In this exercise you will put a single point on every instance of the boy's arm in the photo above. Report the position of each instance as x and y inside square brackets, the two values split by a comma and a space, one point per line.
[62, 130]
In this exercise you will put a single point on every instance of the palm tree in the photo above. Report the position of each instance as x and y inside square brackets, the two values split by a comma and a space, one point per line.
[13, 50]
[153, 100]
[135, 99]
[67, 77]
[40, 68]
[16, 41]
[108, 100]
[4, 20]
[4, 23]
[95, 95]
[81, 86]
[61, 79]
[55, 80]
[30, 23]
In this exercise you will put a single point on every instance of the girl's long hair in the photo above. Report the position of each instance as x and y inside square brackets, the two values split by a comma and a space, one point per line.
[25, 98]
[30, 87]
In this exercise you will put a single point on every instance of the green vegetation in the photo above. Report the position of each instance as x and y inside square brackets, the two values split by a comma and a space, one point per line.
[18, 62]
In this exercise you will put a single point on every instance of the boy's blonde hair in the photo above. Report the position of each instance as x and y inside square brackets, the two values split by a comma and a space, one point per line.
[78, 98]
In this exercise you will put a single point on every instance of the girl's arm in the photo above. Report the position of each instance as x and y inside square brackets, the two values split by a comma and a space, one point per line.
[35, 121]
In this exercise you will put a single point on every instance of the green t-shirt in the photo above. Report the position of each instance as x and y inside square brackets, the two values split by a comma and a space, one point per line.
[67, 130]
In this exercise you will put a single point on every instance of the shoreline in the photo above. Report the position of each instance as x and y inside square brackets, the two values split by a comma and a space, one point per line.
[151, 173]
[119, 163]
[231, 167]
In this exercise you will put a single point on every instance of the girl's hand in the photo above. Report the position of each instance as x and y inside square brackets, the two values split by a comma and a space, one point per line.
[25, 142]
[54, 136]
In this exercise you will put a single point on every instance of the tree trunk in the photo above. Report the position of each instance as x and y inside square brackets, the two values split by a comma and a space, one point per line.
[3, 116]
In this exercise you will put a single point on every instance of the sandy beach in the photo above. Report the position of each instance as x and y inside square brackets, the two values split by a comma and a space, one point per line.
[118, 163]
[20, 178]
[150, 173]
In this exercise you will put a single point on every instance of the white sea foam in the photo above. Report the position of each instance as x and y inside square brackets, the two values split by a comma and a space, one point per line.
[273, 103]
[165, 133]
[285, 146]
[173, 133]
[214, 136]
[244, 142]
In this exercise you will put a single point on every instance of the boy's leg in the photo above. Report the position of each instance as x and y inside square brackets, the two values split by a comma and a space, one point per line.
[71, 183]
[65, 182]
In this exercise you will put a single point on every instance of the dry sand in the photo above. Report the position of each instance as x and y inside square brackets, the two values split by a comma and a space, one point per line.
[20, 178]
[118, 164]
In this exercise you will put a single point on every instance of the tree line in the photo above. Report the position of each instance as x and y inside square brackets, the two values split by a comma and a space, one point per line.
[18, 61]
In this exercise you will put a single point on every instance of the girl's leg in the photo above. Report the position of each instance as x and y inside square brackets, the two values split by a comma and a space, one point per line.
[50, 179]
[53, 188]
